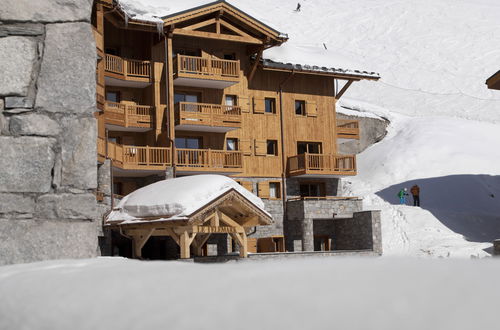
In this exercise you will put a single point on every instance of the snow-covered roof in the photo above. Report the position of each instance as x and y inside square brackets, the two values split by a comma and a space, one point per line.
[313, 58]
[267, 63]
[177, 199]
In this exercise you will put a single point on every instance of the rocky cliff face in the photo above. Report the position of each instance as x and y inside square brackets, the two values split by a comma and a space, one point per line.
[47, 131]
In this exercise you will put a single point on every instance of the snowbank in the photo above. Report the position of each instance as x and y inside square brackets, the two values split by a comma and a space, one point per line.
[313, 293]
[177, 198]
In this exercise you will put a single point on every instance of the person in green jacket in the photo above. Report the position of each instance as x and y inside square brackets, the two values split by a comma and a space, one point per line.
[402, 196]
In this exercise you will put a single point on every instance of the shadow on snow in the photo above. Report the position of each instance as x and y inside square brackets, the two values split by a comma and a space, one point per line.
[467, 204]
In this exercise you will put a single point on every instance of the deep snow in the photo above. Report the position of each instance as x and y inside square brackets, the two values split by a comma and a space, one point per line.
[313, 293]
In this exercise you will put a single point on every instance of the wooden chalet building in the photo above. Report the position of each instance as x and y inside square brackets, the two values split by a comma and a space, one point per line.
[193, 93]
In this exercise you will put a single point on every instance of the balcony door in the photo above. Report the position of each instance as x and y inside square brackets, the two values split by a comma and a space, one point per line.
[308, 147]
[188, 153]
[190, 98]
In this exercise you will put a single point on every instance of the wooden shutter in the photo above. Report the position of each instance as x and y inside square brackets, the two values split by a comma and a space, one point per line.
[263, 189]
[244, 103]
[246, 184]
[311, 109]
[245, 146]
[252, 245]
[258, 105]
[260, 147]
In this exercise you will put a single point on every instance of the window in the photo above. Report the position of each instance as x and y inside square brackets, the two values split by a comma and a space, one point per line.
[274, 190]
[112, 51]
[231, 144]
[113, 96]
[308, 147]
[188, 142]
[300, 108]
[230, 56]
[272, 147]
[312, 189]
[270, 106]
[231, 100]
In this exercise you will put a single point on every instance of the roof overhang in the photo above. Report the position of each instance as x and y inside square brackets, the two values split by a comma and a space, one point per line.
[354, 75]
[493, 82]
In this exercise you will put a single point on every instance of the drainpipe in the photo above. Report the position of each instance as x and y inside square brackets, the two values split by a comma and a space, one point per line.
[167, 102]
[283, 158]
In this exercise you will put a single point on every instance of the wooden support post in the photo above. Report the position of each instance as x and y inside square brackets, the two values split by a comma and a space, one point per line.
[255, 65]
[186, 239]
[138, 242]
[344, 89]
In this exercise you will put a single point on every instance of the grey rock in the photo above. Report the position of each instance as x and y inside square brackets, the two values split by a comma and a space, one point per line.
[45, 10]
[4, 125]
[34, 124]
[17, 57]
[18, 102]
[67, 75]
[26, 29]
[17, 203]
[79, 153]
[66, 207]
[26, 164]
[34, 240]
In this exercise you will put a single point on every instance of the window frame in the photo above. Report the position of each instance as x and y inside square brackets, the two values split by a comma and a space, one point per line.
[302, 107]
[275, 143]
[273, 105]
[277, 191]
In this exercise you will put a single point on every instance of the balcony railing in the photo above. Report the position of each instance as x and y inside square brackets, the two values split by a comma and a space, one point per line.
[347, 129]
[134, 157]
[157, 158]
[128, 115]
[128, 69]
[99, 41]
[215, 115]
[206, 67]
[322, 164]
[208, 159]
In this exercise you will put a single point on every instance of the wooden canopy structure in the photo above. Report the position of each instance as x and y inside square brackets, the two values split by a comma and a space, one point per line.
[229, 213]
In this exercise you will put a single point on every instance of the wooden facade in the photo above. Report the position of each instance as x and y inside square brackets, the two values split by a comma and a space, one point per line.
[493, 82]
[196, 97]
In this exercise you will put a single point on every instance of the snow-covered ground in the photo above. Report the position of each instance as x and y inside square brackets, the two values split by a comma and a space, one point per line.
[313, 293]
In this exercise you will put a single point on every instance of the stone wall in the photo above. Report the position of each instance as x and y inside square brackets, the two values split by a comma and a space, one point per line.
[371, 131]
[47, 131]
[361, 232]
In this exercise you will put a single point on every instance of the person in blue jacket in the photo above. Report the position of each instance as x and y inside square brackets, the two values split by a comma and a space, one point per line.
[402, 196]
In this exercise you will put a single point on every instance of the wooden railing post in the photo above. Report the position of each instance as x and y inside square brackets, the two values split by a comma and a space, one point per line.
[147, 155]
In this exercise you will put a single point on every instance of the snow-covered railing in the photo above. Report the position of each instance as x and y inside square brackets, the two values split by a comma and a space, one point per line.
[206, 66]
[322, 164]
[347, 129]
[127, 67]
[128, 115]
[189, 113]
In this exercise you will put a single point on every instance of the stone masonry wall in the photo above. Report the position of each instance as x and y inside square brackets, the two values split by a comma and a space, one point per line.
[47, 131]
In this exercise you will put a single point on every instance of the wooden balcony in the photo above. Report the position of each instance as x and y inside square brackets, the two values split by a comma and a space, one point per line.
[134, 157]
[99, 41]
[208, 160]
[128, 117]
[347, 129]
[207, 117]
[205, 72]
[321, 165]
[127, 73]
[100, 99]
[188, 161]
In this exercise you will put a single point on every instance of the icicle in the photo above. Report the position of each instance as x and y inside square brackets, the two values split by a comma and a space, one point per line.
[159, 27]
[126, 19]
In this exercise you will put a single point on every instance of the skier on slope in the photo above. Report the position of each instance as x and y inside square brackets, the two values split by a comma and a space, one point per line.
[298, 7]
[402, 196]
